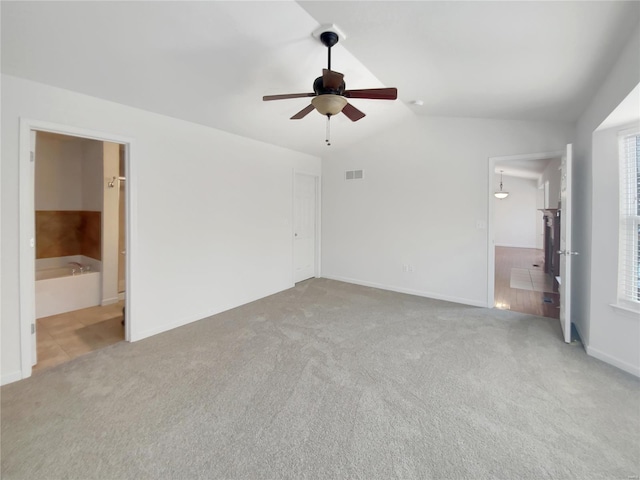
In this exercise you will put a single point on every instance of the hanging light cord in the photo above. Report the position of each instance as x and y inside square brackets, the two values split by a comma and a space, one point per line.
[328, 139]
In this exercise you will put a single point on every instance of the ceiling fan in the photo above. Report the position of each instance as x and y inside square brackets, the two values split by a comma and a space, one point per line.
[329, 91]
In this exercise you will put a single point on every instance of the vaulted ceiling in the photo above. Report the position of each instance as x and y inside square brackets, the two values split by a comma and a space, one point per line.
[211, 62]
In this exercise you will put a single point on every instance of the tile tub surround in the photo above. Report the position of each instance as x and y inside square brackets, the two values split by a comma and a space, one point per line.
[61, 233]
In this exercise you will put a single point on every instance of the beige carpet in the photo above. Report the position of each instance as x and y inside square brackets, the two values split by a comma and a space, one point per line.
[330, 381]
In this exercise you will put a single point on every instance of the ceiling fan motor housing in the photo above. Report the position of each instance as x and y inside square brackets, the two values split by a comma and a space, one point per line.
[320, 89]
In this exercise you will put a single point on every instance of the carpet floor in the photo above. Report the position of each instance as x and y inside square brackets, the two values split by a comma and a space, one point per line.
[330, 380]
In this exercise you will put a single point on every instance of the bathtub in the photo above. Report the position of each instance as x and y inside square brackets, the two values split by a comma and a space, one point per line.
[59, 289]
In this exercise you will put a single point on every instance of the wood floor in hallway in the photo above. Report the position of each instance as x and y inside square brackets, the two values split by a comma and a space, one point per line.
[544, 304]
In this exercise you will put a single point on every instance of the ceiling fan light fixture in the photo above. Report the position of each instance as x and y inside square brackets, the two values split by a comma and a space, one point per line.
[329, 104]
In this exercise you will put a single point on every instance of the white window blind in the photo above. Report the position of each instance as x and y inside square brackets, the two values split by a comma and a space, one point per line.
[629, 249]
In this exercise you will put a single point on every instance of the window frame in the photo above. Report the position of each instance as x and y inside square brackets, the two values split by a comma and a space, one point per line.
[628, 227]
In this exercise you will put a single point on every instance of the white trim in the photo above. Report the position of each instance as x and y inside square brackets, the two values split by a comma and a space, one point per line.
[409, 291]
[27, 227]
[616, 362]
[627, 310]
[26, 252]
[629, 129]
[180, 323]
[529, 156]
[318, 223]
[491, 250]
[627, 278]
[516, 246]
[202, 316]
[318, 226]
[11, 377]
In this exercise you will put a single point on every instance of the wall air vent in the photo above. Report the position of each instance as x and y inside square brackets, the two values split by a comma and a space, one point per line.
[354, 175]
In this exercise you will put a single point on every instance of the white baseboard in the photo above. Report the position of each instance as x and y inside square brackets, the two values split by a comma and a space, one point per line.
[516, 246]
[136, 336]
[11, 377]
[121, 296]
[109, 301]
[616, 362]
[419, 293]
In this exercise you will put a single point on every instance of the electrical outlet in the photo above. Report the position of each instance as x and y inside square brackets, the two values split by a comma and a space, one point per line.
[412, 268]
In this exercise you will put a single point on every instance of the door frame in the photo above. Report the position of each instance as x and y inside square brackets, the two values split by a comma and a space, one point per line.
[566, 209]
[491, 248]
[318, 223]
[26, 234]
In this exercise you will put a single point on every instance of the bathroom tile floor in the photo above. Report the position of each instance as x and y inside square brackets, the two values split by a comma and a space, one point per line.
[63, 337]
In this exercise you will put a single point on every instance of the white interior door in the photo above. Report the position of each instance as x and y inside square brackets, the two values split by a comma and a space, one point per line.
[34, 343]
[304, 227]
[565, 244]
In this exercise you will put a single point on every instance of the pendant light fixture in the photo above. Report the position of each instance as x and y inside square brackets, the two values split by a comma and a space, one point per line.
[500, 194]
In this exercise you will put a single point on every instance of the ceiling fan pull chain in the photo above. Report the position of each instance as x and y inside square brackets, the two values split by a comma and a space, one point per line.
[328, 139]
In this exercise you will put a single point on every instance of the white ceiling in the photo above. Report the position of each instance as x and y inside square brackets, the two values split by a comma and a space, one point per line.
[531, 169]
[211, 62]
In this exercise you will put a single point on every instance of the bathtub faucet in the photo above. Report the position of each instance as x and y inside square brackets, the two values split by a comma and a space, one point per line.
[76, 264]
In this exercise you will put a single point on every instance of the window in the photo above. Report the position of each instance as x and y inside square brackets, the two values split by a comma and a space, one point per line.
[629, 249]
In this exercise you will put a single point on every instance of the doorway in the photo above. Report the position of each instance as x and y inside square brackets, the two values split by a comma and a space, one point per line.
[78, 235]
[306, 231]
[66, 232]
[521, 278]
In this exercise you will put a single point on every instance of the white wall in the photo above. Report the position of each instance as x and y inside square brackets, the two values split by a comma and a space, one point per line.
[608, 334]
[68, 174]
[58, 175]
[605, 259]
[424, 194]
[92, 173]
[551, 174]
[516, 217]
[213, 227]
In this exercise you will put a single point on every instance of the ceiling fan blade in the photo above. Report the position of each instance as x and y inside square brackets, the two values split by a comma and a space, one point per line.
[352, 112]
[373, 93]
[303, 113]
[331, 80]
[287, 95]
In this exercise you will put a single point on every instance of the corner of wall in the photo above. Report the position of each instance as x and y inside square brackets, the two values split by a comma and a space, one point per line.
[601, 333]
